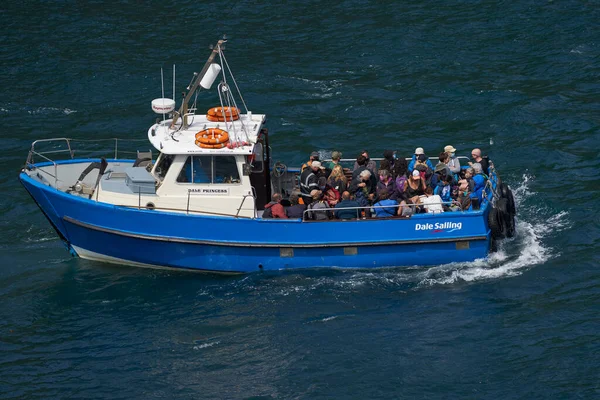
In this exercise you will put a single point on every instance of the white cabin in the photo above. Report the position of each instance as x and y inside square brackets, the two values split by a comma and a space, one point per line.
[189, 178]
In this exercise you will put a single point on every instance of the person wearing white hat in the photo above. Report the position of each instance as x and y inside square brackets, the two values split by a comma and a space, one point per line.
[419, 152]
[453, 162]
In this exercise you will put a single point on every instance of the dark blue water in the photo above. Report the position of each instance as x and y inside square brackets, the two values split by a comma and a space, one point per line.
[521, 80]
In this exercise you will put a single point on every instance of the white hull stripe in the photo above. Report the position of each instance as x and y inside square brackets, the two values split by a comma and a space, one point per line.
[93, 256]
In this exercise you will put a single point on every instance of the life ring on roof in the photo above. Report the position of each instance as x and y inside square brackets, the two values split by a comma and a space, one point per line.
[223, 114]
[212, 136]
[210, 146]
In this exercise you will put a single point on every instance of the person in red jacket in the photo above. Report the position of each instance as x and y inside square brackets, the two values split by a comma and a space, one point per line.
[274, 209]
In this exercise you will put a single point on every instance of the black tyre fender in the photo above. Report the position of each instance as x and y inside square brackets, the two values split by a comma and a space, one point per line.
[512, 209]
[498, 182]
[504, 190]
[496, 224]
[507, 217]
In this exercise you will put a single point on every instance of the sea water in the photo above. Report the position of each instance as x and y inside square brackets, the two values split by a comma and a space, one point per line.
[343, 76]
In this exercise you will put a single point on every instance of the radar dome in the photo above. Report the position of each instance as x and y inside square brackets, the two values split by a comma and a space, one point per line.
[163, 106]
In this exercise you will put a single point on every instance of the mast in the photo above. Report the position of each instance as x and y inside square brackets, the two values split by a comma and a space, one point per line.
[194, 86]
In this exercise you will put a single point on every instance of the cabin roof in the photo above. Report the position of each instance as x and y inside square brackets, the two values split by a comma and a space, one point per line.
[172, 141]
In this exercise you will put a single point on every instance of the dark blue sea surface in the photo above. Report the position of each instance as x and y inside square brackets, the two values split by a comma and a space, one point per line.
[521, 80]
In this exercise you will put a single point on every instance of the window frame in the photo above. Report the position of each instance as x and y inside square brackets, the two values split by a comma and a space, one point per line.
[212, 170]
[160, 165]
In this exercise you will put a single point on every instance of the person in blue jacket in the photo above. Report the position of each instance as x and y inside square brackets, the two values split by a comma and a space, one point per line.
[479, 185]
[385, 207]
[444, 189]
[418, 152]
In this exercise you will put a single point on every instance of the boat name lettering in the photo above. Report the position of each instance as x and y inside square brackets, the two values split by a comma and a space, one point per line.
[211, 191]
[439, 226]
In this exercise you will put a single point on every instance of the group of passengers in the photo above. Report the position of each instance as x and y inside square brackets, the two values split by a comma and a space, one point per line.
[398, 188]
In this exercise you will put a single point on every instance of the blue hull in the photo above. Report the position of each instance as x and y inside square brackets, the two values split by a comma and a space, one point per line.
[226, 244]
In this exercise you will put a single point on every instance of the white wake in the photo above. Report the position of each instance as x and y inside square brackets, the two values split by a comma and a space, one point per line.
[526, 249]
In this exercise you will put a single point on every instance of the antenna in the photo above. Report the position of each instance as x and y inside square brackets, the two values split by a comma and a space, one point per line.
[173, 81]
[162, 83]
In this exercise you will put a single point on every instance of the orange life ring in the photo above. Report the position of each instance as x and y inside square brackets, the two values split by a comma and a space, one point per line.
[222, 114]
[210, 146]
[212, 136]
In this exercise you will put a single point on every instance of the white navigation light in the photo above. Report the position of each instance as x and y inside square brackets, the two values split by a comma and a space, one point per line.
[211, 74]
[163, 106]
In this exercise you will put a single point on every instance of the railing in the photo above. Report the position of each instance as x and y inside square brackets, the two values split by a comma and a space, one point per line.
[69, 148]
[406, 158]
[65, 146]
[242, 203]
[185, 210]
[360, 209]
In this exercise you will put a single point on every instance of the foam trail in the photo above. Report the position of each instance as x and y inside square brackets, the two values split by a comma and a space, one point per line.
[526, 249]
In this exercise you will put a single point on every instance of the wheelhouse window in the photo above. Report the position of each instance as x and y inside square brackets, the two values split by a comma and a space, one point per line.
[209, 169]
[258, 164]
[162, 165]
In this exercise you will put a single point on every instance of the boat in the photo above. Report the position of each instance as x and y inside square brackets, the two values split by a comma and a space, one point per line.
[198, 204]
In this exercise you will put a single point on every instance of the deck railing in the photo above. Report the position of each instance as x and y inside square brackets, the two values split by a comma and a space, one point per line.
[362, 209]
[55, 149]
[85, 146]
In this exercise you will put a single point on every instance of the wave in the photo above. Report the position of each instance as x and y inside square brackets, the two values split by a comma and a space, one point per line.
[39, 110]
[205, 345]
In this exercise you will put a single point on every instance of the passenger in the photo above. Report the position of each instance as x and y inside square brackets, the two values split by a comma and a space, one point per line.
[390, 157]
[351, 208]
[337, 179]
[361, 161]
[388, 184]
[444, 158]
[370, 164]
[478, 171]
[314, 156]
[400, 168]
[363, 189]
[318, 209]
[385, 164]
[296, 210]
[419, 151]
[479, 184]
[415, 187]
[335, 160]
[483, 160]
[422, 165]
[330, 194]
[441, 171]
[405, 209]
[400, 175]
[274, 209]
[385, 207]
[309, 181]
[359, 165]
[469, 198]
[463, 201]
[467, 182]
[444, 189]
[453, 161]
[432, 203]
